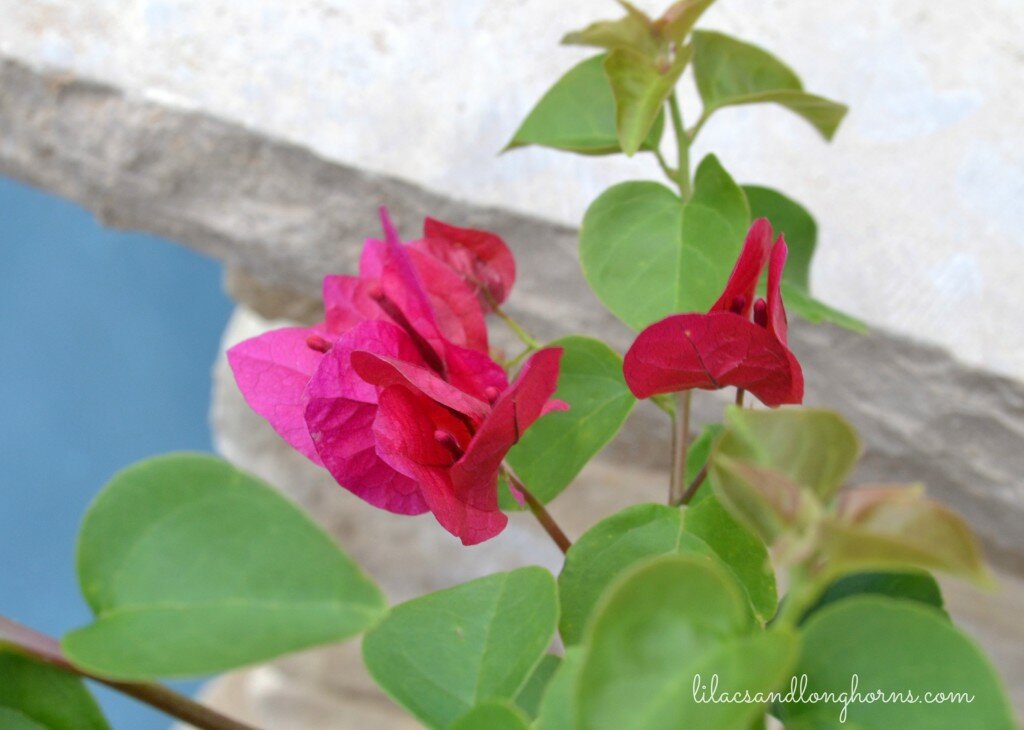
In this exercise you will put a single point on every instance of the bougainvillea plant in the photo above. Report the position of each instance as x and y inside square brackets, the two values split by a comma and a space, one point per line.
[662, 615]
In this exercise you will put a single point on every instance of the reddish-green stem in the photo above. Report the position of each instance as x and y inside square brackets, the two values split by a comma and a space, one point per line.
[680, 443]
[540, 512]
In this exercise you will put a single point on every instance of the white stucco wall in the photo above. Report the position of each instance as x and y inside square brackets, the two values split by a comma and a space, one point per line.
[916, 199]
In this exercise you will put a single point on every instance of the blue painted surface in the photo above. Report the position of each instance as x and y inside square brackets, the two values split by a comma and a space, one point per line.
[106, 344]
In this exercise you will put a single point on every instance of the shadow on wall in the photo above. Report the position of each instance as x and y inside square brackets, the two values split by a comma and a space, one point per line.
[107, 343]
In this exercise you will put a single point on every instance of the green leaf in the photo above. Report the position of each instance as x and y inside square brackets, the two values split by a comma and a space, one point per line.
[792, 220]
[558, 707]
[730, 72]
[492, 715]
[441, 654]
[633, 30]
[640, 89]
[644, 531]
[739, 548]
[887, 526]
[800, 302]
[815, 448]
[915, 585]
[629, 250]
[765, 500]
[715, 223]
[554, 450]
[896, 647]
[193, 566]
[646, 258]
[661, 625]
[529, 697]
[610, 547]
[680, 17]
[577, 114]
[36, 696]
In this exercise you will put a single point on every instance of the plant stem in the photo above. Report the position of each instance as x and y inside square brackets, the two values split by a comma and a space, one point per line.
[543, 516]
[694, 486]
[739, 397]
[695, 129]
[680, 441]
[682, 147]
[669, 172]
[526, 338]
[804, 589]
[45, 649]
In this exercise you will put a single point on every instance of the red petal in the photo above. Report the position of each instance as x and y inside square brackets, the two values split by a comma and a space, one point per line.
[712, 351]
[744, 277]
[776, 311]
[514, 411]
[383, 372]
[456, 306]
[479, 257]
[404, 429]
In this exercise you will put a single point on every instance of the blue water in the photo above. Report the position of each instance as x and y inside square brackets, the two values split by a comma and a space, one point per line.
[106, 344]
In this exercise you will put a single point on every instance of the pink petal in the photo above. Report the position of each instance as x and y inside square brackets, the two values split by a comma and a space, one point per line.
[479, 257]
[336, 378]
[347, 302]
[712, 351]
[272, 371]
[343, 432]
[744, 277]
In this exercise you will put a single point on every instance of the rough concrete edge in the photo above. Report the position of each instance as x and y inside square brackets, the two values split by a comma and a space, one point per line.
[279, 215]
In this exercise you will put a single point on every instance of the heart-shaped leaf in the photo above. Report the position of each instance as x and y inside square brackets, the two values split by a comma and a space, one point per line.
[715, 223]
[667, 626]
[730, 72]
[612, 546]
[897, 648]
[193, 566]
[737, 547]
[492, 715]
[36, 696]
[577, 114]
[643, 531]
[442, 654]
[640, 89]
[630, 251]
[646, 258]
[554, 449]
